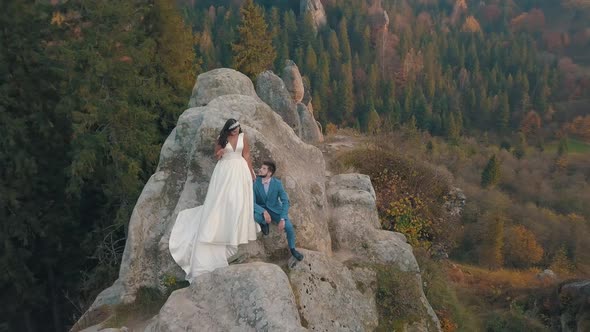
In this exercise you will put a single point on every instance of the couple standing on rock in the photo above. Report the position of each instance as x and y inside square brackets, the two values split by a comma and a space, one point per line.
[204, 237]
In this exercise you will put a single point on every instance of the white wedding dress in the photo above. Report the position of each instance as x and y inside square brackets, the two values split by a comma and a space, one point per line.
[204, 237]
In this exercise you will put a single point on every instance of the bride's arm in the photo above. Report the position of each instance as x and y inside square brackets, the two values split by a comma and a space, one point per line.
[246, 155]
[218, 150]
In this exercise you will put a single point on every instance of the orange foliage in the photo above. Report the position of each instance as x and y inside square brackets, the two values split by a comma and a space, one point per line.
[531, 123]
[126, 59]
[424, 20]
[471, 25]
[491, 13]
[412, 65]
[57, 19]
[580, 127]
[459, 9]
[521, 247]
[530, 21]
[555, 40]
[331, 129]
[446, 321]
[581, 38]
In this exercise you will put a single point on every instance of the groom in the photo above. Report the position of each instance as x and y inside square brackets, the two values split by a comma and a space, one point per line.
[271, 203]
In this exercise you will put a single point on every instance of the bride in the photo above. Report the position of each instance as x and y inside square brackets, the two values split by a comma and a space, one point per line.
[204, 237]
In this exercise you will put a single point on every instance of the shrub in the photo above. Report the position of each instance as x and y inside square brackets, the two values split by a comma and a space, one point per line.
[410, 195]
[398, 298]
[331, 129]
[511, 321]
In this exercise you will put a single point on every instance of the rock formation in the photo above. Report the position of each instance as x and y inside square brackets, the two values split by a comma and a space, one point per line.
[257, 293]
[293, 81]
[289, 98]
[334, 288]
[574, 298]
[272, 90]
[316, 9]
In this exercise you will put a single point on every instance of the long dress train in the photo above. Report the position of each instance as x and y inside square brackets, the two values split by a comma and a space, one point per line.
[204, 237]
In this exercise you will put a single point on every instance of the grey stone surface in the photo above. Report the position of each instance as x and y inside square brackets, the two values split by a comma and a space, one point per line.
[328, 296]
[310, 131]
[219, 82]
[272, 90]
[245, 297]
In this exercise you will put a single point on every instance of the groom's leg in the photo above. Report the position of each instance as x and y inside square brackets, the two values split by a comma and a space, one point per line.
[289, 229]
[259, 219]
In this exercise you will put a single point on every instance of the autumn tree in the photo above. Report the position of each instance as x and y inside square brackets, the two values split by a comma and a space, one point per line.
[521, 248]
[580, 127]
[253, 51]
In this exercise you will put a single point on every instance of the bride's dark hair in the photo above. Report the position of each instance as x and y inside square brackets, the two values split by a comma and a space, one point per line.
[222, 140]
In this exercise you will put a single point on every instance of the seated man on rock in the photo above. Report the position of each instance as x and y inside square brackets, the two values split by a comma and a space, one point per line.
[271, 203]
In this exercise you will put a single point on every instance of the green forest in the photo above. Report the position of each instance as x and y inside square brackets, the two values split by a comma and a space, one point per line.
[495, 92]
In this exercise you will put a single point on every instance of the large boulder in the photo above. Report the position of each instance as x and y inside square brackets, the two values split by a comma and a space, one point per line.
[355, 228]
[219, 82]
[293, 81]
[272, 90]
[181, 181]
[354, 224]
[329, 297]
[245, 297]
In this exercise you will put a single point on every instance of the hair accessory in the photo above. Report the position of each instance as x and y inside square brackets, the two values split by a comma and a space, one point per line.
[236, 124]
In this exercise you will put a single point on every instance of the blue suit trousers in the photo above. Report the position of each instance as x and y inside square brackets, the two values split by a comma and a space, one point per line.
[289, 230]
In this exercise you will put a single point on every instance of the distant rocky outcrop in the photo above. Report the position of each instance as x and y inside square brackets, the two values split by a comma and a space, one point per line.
[332, 289]
[293, 81]
[272, 90]
[288, 97]
[316, 9]
[574, 298]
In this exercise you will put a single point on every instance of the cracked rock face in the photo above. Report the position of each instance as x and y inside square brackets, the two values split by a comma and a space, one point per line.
[244, 297]
[282, 97]
[316, 9]
[328, 295]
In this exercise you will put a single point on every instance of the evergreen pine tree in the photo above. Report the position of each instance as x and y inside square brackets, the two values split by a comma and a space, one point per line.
[253, 51]
[36, 258]
[373, 122]
[503, 113]
[491, 173]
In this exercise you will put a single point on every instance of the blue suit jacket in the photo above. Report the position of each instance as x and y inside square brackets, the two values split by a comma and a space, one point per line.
[276, 200]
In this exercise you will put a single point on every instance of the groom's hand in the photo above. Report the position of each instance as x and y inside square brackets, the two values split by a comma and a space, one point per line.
[266, 216]
[282, 224]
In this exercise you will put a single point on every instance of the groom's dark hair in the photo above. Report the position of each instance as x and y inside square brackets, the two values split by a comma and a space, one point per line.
[271, 166]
